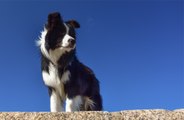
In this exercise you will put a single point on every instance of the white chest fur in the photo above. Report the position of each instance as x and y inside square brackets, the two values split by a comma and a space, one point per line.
[53, 80]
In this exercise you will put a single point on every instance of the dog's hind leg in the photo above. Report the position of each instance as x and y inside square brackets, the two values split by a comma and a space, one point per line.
[74, 104]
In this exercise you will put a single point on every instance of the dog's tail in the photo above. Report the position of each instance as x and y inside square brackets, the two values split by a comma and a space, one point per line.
[93, 104]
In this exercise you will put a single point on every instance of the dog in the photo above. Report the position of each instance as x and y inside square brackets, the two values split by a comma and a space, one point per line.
[70, 82]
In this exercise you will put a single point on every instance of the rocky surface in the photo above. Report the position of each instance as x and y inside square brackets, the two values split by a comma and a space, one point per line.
[156, 114]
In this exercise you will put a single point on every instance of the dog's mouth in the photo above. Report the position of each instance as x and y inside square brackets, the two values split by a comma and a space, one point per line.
[69, 46]
[62, 44]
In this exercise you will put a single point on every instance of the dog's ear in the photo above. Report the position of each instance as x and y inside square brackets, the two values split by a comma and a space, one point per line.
[73, 23]
[54, 19]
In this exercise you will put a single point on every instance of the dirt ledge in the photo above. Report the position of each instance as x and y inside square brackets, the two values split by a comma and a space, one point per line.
[155, 114]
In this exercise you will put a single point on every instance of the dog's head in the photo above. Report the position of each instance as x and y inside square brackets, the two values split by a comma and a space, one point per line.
[58, 36]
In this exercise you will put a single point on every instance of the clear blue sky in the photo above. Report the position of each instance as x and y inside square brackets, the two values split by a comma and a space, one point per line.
[136, 49]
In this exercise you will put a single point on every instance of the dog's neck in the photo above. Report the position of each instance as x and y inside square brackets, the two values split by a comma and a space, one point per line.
[66, 59]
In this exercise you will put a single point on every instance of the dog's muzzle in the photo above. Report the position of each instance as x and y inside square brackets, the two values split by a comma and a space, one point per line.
[68, 41]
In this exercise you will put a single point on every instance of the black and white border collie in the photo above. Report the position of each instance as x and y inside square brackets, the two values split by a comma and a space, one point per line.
[69, 81]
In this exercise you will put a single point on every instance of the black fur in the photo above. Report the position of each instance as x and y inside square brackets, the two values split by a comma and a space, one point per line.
[82, 80]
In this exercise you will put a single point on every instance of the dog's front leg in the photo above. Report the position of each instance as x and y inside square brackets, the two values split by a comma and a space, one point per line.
[56, 104]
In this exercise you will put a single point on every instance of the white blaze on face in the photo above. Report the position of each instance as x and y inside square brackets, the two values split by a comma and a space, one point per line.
[67, 38]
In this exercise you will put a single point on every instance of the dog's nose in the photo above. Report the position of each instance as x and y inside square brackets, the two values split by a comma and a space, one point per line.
[71, 42]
